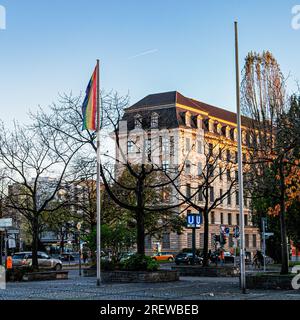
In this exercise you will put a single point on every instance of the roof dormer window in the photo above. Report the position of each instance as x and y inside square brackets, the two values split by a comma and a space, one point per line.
[188, 119]
[138, 121]
[154, 120]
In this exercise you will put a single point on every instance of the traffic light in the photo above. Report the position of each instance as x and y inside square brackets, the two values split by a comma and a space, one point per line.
[236, 232]
[216, 238]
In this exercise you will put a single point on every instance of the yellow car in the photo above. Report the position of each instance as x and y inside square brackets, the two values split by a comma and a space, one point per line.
[163, 257]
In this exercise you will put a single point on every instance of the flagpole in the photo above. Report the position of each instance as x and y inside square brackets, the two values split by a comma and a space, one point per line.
[98, 182]
[240, 166]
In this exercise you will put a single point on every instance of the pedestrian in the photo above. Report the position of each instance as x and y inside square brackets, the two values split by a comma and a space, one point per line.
[222, 258]
[85, 256]
[209, 257]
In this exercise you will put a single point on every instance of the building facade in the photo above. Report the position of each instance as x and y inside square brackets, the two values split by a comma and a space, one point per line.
[175, 130]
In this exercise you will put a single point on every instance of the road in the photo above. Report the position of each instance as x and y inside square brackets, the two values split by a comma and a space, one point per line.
[188, 288]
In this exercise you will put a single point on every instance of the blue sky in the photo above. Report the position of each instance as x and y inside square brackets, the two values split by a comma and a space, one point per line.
[50, 46]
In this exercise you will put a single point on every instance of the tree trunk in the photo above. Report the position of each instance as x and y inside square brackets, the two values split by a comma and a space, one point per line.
[284, 248]
[62, 240]
[140, 220]
[35, 236]
[140, 216]
[206, 231]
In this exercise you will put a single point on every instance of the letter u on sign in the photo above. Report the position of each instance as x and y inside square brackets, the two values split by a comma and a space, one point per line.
[191, 220]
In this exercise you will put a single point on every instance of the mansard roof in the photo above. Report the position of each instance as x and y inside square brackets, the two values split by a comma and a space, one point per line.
[175, 116]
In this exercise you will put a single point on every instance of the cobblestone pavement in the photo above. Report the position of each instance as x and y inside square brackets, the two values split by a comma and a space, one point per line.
[188, 288]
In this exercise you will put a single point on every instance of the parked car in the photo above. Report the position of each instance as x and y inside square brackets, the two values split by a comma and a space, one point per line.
[163, 257]
[66, 257]
[24, 259]
[187, 258]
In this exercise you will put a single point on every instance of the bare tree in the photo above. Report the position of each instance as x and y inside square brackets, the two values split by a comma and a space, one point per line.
[67, 120]
[29, 156]
[199, 192]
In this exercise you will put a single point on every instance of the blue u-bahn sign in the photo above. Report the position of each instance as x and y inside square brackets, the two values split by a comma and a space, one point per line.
[194, 221]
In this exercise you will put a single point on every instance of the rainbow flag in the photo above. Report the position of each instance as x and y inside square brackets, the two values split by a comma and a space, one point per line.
[89, 106]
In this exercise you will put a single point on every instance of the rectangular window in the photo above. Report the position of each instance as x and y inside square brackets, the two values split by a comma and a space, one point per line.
[210, 149]
[188, 167]
[229, 199]
[222, 218]
[200, 195]
[130, 146]
[247, 240]
[165, 145]
[237, 219]
[236, 175]
[199, 147]
[211, 194]
[165, 165]
[254, 241]
[246, 219]
[228, 155]
[221, 173]
[221, 194]
[148, 146]
[166, 241]
[220, 154]
[212, 217]
[236, 157]
[201, 240]
[188, 190]
[229, 219]
[228, 175]
[137, 144]
[172, 146]
[187, 144]
[210, 168]
[237, 198]
[199, 169]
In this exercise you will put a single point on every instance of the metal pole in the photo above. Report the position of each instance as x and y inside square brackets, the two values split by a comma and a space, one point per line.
[98, 183]
[264, 242]
[1, 247]
[79, 253]
[5, 248]
[194, 243]
[240, 164]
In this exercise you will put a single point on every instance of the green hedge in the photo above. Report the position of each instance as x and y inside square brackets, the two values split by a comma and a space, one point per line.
[139, 262]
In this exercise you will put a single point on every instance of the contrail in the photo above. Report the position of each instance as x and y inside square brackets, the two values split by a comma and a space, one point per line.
[143, 53]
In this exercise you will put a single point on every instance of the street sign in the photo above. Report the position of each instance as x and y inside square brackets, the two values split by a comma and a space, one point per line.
[6, 223]
[227, 231]
[267, 235]
[194, 221]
